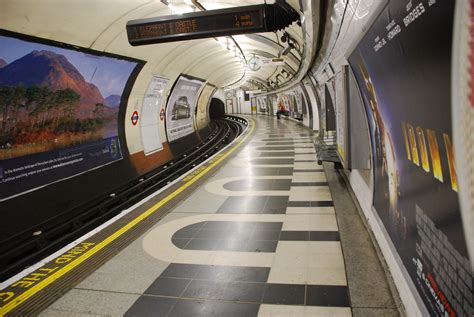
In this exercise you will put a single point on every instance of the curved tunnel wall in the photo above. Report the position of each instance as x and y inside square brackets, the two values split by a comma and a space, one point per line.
[409, 196]
[56, 200]
[73, 24]
[408, 192]
[104, 33]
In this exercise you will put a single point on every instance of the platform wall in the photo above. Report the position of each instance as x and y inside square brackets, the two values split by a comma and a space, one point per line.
[29, 209]
[413, 208]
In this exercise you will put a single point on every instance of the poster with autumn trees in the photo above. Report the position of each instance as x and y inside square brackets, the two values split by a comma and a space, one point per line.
[59, 109]
[53, 98]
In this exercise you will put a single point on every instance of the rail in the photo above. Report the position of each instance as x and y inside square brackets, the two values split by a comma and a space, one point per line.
[23, 249]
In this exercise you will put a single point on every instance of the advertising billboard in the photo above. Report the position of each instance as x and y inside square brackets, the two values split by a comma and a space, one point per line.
[341, 113]
[262, 103]
[180, 109]
[59, 111]
[150, 118]
[403, 69]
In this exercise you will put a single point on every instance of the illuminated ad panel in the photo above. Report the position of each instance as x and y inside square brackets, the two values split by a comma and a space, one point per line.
[341, 117]
[59, 111]
[180, 109]
[262, 103]
[403, 69]
[151, 116]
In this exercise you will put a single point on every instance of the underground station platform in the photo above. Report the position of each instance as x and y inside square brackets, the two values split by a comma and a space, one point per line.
[260, 229]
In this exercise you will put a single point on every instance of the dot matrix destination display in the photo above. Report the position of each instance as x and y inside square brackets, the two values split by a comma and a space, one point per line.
[195, 25]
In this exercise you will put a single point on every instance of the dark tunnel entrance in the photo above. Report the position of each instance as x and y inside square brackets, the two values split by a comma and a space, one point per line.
[216, 109]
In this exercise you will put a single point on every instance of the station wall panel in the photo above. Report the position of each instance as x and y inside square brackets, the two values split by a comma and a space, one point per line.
[415, 182]
[83, 106]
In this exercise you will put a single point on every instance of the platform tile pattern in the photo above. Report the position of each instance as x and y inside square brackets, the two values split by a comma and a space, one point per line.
[260, 238]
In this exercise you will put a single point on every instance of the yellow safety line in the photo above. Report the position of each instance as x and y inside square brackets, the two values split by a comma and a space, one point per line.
[58, 274]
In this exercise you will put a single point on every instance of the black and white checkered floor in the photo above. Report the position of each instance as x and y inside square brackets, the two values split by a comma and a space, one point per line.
[260, 238]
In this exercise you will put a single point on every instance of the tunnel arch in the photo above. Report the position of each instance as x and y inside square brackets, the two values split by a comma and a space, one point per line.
[216, 109]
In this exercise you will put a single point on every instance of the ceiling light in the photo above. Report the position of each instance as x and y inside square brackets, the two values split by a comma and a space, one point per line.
[284, 51]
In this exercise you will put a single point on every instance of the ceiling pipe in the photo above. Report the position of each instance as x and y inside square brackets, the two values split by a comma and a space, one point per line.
[198, 5]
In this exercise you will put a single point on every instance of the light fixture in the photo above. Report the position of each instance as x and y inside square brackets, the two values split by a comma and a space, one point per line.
[285, 50]
[179, 10]
[286, 38]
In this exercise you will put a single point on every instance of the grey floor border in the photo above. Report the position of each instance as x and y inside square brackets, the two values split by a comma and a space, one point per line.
[371, 286]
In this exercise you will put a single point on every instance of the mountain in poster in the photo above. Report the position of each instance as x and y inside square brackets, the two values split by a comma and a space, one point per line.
[3, 63]
[45, 68]
[113, 101]
[47, 104]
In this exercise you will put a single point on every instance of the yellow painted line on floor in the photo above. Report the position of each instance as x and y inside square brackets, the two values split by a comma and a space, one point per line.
[62, 271]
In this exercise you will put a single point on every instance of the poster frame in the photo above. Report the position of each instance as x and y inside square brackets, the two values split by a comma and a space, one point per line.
[162, 98]
[345, 157]
[413, 300]
[121, 116]
[169, 96]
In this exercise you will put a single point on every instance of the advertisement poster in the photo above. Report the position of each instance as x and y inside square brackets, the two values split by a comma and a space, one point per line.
[341, 116]
[253, 104]
[150, 118]
[180, 109]
[202, 119]
[262, 104]
[403, 69]
[283, 99]
[59, 112]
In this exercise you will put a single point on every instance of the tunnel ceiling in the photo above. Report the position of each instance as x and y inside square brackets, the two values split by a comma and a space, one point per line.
[100, 25]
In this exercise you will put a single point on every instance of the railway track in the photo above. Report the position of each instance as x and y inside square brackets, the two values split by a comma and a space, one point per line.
[25, 248]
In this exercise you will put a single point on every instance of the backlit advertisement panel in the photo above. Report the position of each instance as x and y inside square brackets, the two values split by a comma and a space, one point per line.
[150, 118]
[262, 103]
[59, 111]
[180, 109]
[341, 117]
[403, 69]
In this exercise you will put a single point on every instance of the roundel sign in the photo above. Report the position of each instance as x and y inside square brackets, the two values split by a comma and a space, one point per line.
[135, 118]
[162, 114]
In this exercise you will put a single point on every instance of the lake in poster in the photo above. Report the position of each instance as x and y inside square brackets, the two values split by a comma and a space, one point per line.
[58, 112]
[408, 50]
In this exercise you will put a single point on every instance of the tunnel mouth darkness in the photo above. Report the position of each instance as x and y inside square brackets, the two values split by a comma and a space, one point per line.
[216, 109]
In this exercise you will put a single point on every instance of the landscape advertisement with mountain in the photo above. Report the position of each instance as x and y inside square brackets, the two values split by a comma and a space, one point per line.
[58, 112]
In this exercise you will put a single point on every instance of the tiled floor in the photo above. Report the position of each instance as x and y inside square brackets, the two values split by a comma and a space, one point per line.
[260, 238]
